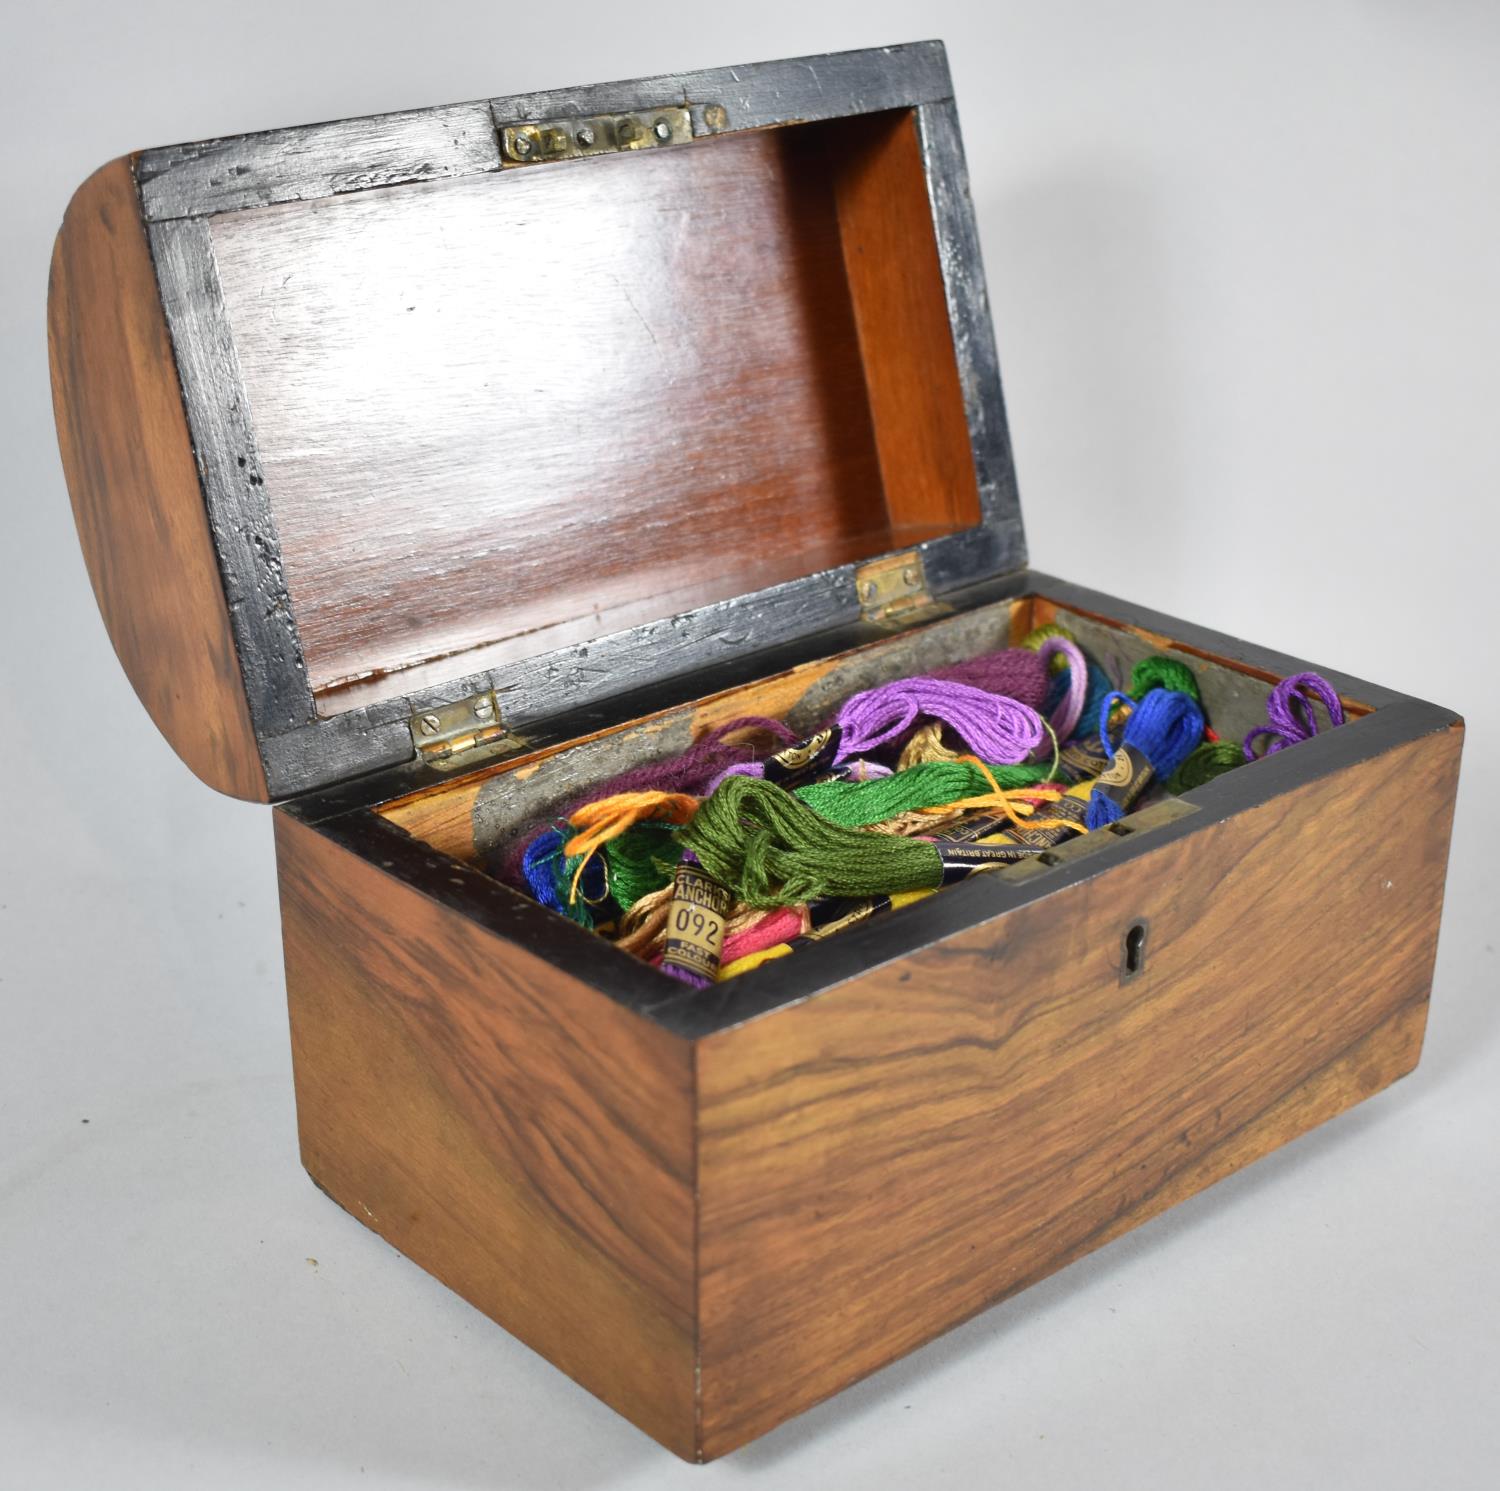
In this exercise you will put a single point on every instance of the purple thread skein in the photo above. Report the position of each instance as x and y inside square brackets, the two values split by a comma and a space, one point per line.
[1289, 709]
[998, 730]
[1017, 672]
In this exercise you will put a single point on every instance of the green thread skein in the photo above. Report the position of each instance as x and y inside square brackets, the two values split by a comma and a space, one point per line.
[644, 858]
[929, 784]
[772, 850]
[1212, 759]
[1158, 672]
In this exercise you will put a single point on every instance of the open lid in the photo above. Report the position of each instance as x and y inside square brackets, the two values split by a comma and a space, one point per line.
[538, 396]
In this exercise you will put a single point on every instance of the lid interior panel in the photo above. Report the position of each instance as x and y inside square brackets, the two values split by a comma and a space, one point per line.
[513, 411]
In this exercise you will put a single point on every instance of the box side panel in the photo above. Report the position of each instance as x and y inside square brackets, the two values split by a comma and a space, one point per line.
[881, 1162]
[134, 484]
[516, 1134]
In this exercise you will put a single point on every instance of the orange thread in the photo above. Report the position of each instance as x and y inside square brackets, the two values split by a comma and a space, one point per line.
[1019, 804]
[609, 817]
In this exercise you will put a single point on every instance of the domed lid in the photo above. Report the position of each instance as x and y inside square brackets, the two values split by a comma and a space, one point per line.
[499, 408]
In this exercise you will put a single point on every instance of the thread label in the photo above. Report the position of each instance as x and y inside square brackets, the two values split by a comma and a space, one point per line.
[695, 922]
[1072, 811]
[962, 860]
[1126, 777]
[806, 761]
[833, 915]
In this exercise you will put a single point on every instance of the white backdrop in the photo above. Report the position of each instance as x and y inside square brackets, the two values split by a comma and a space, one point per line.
[1244, 268]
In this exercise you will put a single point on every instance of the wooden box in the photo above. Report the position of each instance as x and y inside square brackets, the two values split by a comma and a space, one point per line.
[429, 465]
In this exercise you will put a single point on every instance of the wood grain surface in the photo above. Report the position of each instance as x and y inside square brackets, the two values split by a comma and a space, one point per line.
[549, 403]
[515, 1133]
[896, 286]
[134, 485]
[714, 1232]
[881, 1162]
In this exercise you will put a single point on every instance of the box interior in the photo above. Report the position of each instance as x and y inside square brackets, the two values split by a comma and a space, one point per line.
[505, 413]
[473, 818]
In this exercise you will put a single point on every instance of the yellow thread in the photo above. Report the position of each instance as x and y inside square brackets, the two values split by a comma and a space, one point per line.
[755, 959]
[1037, 635]
[926, 745]
[902, 898]
[1056, 749]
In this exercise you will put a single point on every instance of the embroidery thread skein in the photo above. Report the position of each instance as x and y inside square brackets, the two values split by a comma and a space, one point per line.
[743, 739]
[1017, 673]
[1161, 732]
[1212, 759]
[993, 727]
[1161, 672]
[1289, 708]
[597, 823]
[932, 784]
[553, 878]
[773, 850]
[1070, 709]
[1038, 635]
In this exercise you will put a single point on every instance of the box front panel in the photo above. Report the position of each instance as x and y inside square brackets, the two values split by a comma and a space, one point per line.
[520, 1137]
[882, 1161]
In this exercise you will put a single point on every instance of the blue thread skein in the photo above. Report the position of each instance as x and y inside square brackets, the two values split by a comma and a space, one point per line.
[1165, 727]
[547, 873]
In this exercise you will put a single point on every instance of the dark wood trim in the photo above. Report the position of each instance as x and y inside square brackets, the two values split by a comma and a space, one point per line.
[666, 655]
[218, 413]
[757, 95]
[133, 482]
[974, 347]
[316, 160]
[234, 172]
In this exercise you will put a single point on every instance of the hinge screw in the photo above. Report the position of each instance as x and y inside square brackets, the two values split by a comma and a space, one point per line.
[627, 131]
[430, 724]
[484, 708]
[662, 130]
[870, 590]
[586, 136]
[716, 116]
[909, 578]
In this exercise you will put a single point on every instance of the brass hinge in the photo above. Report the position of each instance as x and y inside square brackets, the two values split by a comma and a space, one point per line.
[893, 590]
[452, 730]
[529, 144]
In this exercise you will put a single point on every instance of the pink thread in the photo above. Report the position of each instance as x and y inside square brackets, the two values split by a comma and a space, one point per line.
[775, 926]
[1070, 709]
[998, 730]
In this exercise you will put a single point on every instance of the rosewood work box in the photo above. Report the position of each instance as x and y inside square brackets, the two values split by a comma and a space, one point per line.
[434, 465]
